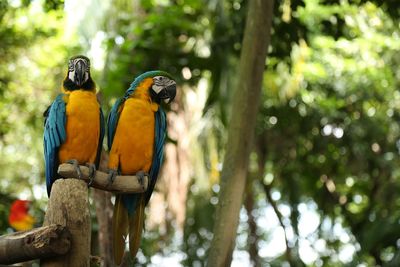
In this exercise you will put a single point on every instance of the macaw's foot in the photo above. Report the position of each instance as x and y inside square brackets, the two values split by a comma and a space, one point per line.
[111, 176]
[75, 163]
[92, 172]
[140, 175]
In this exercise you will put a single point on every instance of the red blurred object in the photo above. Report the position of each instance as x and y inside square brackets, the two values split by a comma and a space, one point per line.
[19, 218]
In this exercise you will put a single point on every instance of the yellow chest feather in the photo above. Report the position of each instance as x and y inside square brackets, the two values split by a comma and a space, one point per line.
[133, 142]
[82, 127]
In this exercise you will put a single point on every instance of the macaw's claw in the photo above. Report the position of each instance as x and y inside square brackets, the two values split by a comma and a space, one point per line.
[92, 172]
[75, 163]
[140, 175]
[111, 176]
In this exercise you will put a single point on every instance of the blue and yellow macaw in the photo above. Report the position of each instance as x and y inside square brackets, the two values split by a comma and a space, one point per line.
[74, 123]
[136, 134]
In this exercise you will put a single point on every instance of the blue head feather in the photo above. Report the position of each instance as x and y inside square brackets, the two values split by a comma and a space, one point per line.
[142, 77]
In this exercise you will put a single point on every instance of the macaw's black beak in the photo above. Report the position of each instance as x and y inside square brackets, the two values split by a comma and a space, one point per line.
[168, 93]
[80, 72]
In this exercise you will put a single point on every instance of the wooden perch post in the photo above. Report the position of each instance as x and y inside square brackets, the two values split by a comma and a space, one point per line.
[69, 206]
[43, 242]
[121, 185]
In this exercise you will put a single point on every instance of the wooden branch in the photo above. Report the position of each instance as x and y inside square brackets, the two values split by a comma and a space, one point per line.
[122, 184]
[42, 242]
[69, 206]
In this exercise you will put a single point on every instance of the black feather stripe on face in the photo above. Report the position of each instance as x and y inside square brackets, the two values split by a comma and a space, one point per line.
[69, 85]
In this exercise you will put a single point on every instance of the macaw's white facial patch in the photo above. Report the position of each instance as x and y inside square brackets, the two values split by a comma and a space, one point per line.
[160, 83]
[72, 75]
[157, 88]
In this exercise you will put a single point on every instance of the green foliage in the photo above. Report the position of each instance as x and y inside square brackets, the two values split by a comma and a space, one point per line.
[31, 50]
[327, 132]
[171, 34]
[330, 125]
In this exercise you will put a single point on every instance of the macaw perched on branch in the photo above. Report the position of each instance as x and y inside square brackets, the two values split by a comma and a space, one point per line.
[74, 123]
[19, 218]
[136, 134]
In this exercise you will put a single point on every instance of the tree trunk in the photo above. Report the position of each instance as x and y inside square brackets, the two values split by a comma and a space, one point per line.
[69, 206]
[43, 242]
[104, 212]
[241, 130]
[252, 239]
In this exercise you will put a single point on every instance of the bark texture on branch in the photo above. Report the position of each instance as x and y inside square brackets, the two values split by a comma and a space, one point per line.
[42, 242]
[69, 206]
[122, 184]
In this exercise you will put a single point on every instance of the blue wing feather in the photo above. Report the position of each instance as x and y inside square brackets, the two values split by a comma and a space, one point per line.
[160, 133]
[113, 121]
[54, 136]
